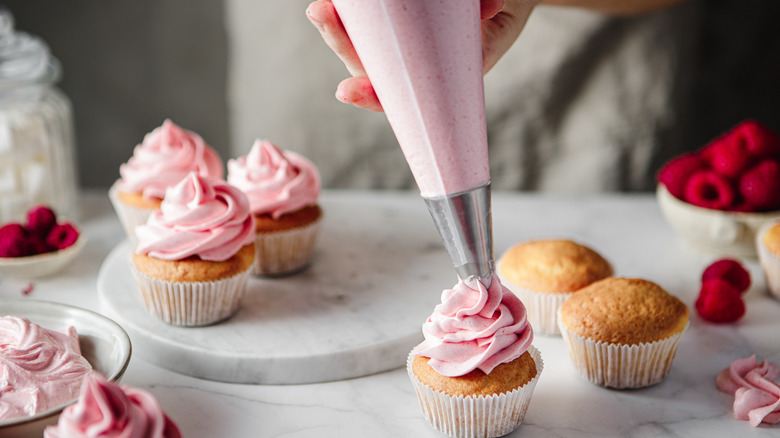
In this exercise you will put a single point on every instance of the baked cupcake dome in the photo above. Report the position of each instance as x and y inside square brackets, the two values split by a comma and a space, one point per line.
[622, 332]
[544, 273]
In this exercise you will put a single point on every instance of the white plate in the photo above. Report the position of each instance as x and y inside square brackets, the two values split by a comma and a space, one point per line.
[103, 343]
[41, 265]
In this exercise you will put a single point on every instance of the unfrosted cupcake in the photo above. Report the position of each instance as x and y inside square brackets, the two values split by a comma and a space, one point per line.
[768, 245]
[545, 273]
[165, 157]
[623, 333]
[282, 188]
[106, 409]
[475, 373]
[195, 253]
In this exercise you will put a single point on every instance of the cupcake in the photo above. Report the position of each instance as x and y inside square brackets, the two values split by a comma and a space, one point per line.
[195, 253]
[768, 245]
[623, 333]
[165, 157]
[476, 370]
[545, 273]
[105, 409]
[282, 188]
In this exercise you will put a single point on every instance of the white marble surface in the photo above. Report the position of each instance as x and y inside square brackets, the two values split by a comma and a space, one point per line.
[356, 310]
[628, 230]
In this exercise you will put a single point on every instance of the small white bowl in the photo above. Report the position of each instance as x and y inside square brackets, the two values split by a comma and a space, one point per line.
[103, 343]
[716, 232]
[41, 265]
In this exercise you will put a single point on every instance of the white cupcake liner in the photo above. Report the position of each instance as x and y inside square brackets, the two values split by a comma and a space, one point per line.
[284, 252]
[618, 365]
[129, 216]
[770, 262]
[191, 304]
[476, 416]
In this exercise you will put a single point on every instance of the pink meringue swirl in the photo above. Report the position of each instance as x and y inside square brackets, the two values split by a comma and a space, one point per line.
[201, 217]
[275, 181]
[755, 388]
[475, 327]
[39, 369]
[166, 155]
[108, 410]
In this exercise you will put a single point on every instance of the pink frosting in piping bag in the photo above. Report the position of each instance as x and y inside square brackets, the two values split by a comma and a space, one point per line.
[475, 327]
[39, 369]
[755, 388]
[275, 181]
[201, 217]
[105, 409]
[166, 155]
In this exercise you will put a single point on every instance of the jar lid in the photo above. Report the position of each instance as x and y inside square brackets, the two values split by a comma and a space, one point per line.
[24, 58]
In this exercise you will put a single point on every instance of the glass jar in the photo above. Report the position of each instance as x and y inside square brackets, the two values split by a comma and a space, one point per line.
[37, 156]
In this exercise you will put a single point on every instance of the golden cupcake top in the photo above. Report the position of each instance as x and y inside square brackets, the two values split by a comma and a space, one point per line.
[771, 239]
[553, 266]
[504, 378]
[624, 311]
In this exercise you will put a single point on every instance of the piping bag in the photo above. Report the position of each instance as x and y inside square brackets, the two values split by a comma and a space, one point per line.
[424, 59]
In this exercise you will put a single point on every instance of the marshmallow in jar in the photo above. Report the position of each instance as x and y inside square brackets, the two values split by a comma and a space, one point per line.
[37, 157]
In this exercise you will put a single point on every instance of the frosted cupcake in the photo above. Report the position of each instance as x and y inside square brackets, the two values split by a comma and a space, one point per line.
[768, 245]
[545, 273]
[282, 188]
[623, 332]
[476, 370]
[105, 409]
[165, 157]
[195, 253]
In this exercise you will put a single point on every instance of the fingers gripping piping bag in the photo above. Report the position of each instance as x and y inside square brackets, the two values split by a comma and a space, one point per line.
[424, 59]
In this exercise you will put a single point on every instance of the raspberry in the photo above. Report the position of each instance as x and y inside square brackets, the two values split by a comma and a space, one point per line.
[674, 174]
[37, 245]
[760, 186]
[14, 246]
[707, 189]
[40, 219]
[719, 302]
[13, 229]
[759, 140]
[62, 236]
[730, 271]
[728, 155]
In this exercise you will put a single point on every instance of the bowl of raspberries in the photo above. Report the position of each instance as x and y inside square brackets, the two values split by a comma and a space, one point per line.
[716, 198]
[40, 246]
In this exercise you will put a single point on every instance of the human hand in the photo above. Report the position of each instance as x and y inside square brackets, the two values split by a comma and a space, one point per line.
[502, 22]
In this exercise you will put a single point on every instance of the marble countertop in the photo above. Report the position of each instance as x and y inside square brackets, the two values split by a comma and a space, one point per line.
[627, 229]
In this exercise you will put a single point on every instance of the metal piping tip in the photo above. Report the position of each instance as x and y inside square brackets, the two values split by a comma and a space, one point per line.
[465, 224]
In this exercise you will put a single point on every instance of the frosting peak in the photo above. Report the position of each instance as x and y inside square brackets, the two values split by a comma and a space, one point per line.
[39, 369]
[475, 327]
[105, 409]
[275, 181]
[166, 155]
[201, 217]
[755, 388]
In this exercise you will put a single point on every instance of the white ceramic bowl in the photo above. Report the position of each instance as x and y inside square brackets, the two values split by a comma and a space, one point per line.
[716, 232]
[103, 343]
[41, 265]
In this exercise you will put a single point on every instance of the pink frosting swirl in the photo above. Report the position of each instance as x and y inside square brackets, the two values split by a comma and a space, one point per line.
[166, 155]
[755, 388]
[475, 327]
[275, 181]
[39, 369]
[108, 410]
[200, 217]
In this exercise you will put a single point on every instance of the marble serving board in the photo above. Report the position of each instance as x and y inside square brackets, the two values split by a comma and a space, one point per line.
[377, 272]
